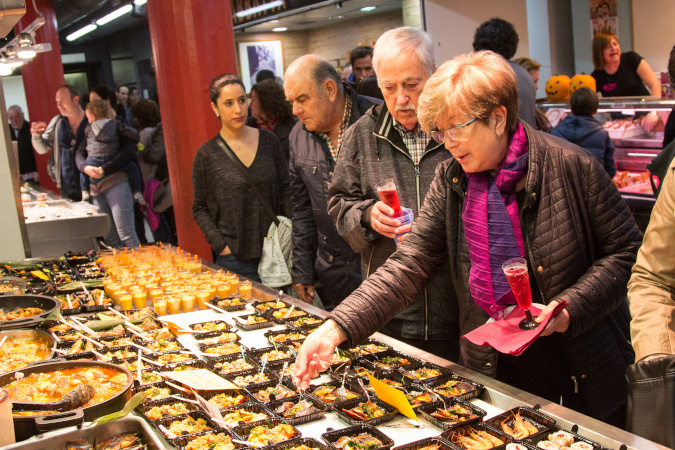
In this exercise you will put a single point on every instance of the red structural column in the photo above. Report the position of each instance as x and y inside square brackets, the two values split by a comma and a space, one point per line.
[192, 43]
[42, 76]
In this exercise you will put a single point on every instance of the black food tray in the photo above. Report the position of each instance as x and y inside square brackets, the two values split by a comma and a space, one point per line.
[451, 434]
[473, 389]
[332, 436]
[390, 411]
[439, 441]
[213, 362]
[145, 407]
[183, 442]
[348, 385]
[166, 422]
[238, 307]
[320, 414]
[424, 366]
[309, 442]
[534, 440]
[218, 322]
[243, 373]
[230, 393]
[253, 389]
[249, 407]
[245, 430]
[204, 347]
[240, 321]
[542, 422]
[426, 410]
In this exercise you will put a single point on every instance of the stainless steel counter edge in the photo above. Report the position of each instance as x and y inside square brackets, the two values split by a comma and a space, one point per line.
[500, 394]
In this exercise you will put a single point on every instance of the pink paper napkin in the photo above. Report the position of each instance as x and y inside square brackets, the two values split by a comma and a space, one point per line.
[505, 335]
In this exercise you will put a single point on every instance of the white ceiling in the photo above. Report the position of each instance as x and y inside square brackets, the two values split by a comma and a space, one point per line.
[330, 14]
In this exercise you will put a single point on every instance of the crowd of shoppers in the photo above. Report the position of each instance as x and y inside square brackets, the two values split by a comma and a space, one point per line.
[483, 185]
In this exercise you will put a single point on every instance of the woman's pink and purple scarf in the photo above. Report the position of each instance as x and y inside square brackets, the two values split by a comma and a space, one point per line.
[492, 227]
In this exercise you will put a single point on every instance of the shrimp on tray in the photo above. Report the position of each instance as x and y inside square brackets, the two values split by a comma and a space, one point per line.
[471, 439]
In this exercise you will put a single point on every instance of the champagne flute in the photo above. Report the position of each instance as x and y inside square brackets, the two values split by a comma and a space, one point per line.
[515, 270]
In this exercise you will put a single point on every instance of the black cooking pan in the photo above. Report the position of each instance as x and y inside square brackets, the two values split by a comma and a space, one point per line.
[12, 302]
[25, 427]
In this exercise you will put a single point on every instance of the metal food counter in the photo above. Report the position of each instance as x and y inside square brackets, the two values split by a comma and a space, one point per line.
[56, 226]
[496, 396]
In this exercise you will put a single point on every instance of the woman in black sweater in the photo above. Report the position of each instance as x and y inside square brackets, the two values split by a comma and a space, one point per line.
[224, 206]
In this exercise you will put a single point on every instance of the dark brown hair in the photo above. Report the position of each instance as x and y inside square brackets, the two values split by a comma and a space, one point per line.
[584, 102]
[220, 82]
[600, 41]
[146, 113]
[273, 101]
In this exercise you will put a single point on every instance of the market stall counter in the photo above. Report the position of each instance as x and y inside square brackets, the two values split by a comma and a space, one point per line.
[245, 347]
[55, 225]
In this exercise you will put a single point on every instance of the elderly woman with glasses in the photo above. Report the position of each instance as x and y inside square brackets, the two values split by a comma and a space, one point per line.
[510, 191]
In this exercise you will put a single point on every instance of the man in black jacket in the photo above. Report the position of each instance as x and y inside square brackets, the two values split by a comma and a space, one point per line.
[326, 108]
[21, 133]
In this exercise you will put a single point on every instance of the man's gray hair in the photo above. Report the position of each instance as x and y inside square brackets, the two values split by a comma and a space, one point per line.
[322, 71]
[400, 40]
[17, 107]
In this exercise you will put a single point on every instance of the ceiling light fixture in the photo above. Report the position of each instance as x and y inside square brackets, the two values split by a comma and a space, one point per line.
[140, 2]
[119, 12]
[279, 29]
[368, 8]
[257, 9]
[81, 32]
[22, 48]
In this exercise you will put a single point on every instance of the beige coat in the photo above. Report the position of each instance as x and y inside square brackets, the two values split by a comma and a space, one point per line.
[651, 289]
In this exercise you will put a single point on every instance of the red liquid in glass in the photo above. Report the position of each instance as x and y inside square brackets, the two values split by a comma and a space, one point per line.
[390, 198]
[520, 285]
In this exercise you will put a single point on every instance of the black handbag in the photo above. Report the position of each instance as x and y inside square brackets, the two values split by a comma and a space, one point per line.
[651, 400]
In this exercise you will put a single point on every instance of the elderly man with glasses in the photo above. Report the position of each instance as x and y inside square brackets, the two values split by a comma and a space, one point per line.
[387, 142]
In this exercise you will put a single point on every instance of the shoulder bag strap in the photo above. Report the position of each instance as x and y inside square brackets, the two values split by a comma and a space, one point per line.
[263, 201]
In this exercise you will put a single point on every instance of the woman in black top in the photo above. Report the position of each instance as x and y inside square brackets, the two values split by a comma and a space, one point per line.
[621, 74]
[224, 206]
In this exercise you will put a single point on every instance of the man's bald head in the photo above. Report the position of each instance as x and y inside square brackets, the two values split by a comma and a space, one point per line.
[315, 68]
[15, 115]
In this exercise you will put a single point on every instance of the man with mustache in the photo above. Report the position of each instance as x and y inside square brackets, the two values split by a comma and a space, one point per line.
[387, 142]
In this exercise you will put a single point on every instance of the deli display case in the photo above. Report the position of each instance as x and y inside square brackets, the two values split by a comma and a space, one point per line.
[623, 119]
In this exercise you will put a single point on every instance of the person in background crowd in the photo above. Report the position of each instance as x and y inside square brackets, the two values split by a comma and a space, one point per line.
[540, 184]
[103, 144]
[122, 95]
[20, 130]
[387, 142]
[63, 134]
[106, 94]
[361, 60]
[326, 107]
[669, 131]
[134, 97]
[346, 72]
[109, 183]
[501, 37]
[224, 206]
[271, 111]
[263, 75]
[532, 68]
[370, 88]
[586, 131]
[151, 159]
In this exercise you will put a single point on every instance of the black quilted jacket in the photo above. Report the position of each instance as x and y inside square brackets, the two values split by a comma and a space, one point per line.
[582, 241]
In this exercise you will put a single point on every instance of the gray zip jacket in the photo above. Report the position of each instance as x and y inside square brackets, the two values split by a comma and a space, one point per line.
[372, 151]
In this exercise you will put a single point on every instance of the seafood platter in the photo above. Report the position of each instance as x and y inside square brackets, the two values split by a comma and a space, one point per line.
[89, 363]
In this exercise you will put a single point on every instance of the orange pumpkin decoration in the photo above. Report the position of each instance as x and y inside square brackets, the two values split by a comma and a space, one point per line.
[557, 88]
[582, 80]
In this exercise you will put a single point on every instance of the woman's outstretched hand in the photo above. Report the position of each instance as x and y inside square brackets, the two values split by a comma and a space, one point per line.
[316, 352]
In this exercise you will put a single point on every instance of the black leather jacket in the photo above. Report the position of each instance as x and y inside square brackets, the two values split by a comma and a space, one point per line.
[581, 240]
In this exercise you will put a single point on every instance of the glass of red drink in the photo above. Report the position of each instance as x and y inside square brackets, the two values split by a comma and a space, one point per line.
[389, 196]
[515, 270]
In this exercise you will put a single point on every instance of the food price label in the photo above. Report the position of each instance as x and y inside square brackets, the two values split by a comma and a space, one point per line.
[201, 380]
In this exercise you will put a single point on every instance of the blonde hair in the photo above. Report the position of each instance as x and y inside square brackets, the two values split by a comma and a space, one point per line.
[98, 108]
[527, 63]
[474, 84]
